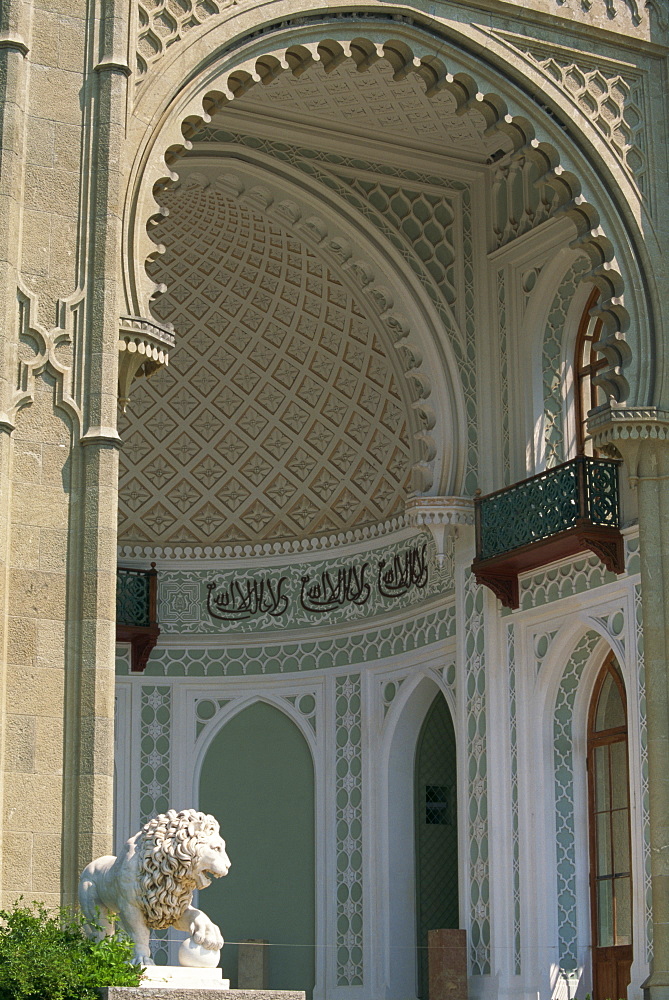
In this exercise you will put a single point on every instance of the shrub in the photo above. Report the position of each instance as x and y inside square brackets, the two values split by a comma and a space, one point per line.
[46, 956]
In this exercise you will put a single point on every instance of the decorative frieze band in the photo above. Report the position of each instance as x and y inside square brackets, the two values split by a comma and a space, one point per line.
[286, 547]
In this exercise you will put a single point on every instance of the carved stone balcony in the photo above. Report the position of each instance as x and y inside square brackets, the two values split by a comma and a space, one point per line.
[569, 509]
[144, 347]
[136, 593]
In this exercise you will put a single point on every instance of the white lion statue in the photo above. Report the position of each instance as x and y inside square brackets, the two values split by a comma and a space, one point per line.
[151, 883]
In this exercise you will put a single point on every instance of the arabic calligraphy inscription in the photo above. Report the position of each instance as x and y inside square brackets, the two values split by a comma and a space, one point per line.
[241, 599]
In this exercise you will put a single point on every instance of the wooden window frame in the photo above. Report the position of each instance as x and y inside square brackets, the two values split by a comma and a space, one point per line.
[595, 739]
[586, 365]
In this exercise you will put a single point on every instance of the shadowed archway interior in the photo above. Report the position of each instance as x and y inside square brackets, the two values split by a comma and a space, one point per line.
[436, 831]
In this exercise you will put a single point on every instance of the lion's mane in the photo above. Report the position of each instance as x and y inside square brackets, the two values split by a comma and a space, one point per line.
[168, 848]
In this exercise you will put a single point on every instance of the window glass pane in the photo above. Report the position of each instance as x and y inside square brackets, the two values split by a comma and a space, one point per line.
[585, 390]
[619, 783]
[598, 395]
[621, 841]
[602, 797]
[438, 805]
[610, 708]
[605, 914]
[623, 934]
[604, 853]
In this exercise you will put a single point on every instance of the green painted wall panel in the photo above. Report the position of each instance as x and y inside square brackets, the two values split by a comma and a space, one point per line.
[258, 780]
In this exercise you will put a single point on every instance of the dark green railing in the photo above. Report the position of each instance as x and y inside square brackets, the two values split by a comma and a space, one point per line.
[136, 597]
[579, 492]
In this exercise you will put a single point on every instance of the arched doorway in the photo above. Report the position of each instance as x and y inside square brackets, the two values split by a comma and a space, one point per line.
[436, 831]
[609, 824]
[262, 792]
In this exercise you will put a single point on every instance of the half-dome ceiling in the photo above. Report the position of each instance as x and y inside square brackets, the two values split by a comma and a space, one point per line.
[283, 413]
[374, 104]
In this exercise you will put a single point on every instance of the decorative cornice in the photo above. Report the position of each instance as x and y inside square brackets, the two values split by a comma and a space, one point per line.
[621, 430]
[441, 516]
[427, 511]
[266, 551]
[611, 424]
[138, 326]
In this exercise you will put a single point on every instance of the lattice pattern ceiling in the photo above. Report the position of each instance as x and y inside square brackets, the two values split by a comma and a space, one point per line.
[372, 102]
[282, 413]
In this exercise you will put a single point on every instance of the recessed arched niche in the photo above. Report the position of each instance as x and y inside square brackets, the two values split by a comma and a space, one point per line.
[262, 791]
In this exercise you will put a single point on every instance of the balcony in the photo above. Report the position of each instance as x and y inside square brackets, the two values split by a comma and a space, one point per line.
[569, 509]
[136, 591]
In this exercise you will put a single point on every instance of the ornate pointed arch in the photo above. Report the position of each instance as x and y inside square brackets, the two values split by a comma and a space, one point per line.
[568, 175]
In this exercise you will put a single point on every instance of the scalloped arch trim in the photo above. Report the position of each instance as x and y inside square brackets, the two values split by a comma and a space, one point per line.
[218, 87]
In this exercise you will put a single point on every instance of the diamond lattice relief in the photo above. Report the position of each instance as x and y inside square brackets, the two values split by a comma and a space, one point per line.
[283, 413]
[375, 101]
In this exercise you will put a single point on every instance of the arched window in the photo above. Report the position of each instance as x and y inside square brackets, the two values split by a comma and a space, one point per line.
[587, 362]
[609, 815]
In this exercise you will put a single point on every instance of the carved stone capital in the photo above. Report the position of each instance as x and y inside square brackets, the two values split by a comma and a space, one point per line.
[101, 437]
[144, 347]
[12, 43]
[441, 516]
[632, 432]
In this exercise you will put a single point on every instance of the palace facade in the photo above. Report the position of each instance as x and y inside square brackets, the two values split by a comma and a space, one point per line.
[334, 463]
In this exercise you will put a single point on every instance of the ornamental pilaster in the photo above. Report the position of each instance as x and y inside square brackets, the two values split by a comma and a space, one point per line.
[641, 437]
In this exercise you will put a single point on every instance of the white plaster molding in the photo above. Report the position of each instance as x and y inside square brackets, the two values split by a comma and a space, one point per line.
[621, 423]
[621, 430]
[143, 348]
[342, 542]
[441, 516]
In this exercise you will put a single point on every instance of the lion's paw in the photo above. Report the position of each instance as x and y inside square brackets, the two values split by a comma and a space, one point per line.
[139, 959]
[205, 933]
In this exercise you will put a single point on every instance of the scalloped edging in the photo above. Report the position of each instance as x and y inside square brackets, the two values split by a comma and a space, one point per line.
[266, 549]
[421, 58]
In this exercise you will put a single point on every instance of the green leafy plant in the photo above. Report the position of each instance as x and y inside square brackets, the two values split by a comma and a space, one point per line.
[47, 956]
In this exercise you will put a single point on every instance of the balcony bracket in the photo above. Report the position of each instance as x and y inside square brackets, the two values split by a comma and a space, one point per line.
[443, 517]
[504, 586]
[142, 640]
[144, 348]
[607, 543]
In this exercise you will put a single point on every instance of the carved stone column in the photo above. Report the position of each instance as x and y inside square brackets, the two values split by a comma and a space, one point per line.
[641, 436]
[59, 368]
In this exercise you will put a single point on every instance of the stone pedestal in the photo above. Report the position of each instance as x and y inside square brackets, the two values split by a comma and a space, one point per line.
[181, 977]
[253, 964]
[447, 964]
